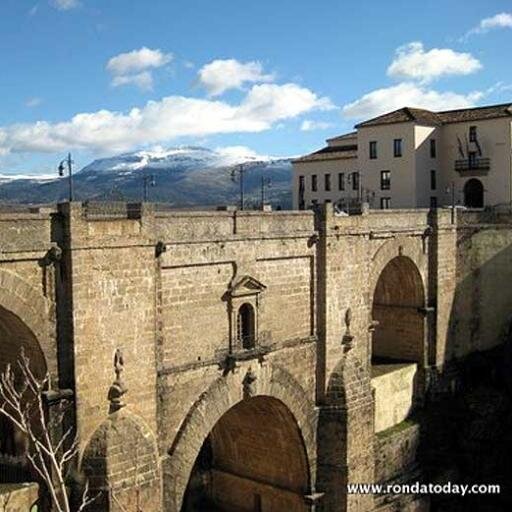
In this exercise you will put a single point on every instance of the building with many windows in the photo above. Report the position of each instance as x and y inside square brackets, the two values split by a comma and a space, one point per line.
[413, 158]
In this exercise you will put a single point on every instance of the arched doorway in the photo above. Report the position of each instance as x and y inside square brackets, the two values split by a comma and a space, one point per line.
[397, 302]
[474, 193]
[15, 336]
[253, 460]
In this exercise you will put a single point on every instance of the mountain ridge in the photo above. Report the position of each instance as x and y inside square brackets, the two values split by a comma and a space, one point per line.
[183, 175]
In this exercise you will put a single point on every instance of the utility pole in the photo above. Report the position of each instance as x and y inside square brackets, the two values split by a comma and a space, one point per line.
[265, 182]
[148, 180]
[61, 168]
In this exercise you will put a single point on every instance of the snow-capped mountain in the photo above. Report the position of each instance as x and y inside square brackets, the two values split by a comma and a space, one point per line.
[183, 176]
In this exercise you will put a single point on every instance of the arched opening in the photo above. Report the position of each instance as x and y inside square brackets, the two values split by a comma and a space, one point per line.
[474, 193]
[253, 460]
[246, 326]
[15, 336]
[397, 303]
[398, 342]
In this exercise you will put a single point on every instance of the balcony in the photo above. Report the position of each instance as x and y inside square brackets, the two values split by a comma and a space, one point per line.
[473, 164]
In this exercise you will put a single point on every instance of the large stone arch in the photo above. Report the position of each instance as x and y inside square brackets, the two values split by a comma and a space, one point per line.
[225, 393]
[398, 302]
[412, 247]
[31, 311]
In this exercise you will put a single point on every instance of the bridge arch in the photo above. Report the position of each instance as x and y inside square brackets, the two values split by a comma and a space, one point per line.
[23, 326]
[25, 319]
[398, 309]
[234, 418]
[397, 297]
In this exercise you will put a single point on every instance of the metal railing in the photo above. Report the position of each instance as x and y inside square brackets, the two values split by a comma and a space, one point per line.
[473, 164]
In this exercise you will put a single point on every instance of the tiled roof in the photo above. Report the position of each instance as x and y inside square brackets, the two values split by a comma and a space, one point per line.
[428, 118]
[336, 149]
[476, 114]
[330, 153]
[341, 138]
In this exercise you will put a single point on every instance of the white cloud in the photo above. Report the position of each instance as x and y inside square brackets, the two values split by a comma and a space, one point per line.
[133, 68]
[407, 94]
[138, 60]
[33, 102]
[501, 20]
[308, 125]
[160, 121]
[142, 80]
[219, 76]
[64, 5]
[413, 62]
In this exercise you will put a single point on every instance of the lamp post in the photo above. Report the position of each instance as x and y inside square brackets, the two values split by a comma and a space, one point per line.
[61, 169]
[265, 182]
[148, 180]
[240, 170]
[451, 189]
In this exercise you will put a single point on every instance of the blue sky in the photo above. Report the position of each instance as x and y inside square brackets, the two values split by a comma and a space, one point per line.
[103, 77]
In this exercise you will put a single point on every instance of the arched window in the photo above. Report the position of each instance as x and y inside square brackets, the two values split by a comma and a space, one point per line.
[246, 326]
[474, 194]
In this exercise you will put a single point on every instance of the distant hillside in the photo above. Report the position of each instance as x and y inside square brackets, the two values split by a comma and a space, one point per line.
[184, 176]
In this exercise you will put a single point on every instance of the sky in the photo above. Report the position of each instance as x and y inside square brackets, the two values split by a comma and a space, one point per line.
[103, 77]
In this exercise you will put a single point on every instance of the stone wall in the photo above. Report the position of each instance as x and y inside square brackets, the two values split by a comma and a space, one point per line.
[165, 288]
[395, 451]
[482, 310]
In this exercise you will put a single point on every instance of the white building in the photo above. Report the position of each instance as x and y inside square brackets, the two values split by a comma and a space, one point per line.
[413, 158]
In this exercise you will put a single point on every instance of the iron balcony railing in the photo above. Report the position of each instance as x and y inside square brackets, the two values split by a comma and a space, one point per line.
[473, 164]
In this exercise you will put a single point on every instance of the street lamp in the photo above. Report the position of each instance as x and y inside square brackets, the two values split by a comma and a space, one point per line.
[148, 181]
[265, 182]
[61, 169]
[240, 170]
[451, 189]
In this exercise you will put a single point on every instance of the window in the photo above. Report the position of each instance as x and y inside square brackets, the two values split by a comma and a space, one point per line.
[245, 326]
[433, 149]
[385, 203]
[433, 180]
[385, 180]
[327, 182]
[433, 202]
[355, 180]
[341, 181]
[397, 147]
[373, 149]
[301, 183]
[472, 134]
[314, 183]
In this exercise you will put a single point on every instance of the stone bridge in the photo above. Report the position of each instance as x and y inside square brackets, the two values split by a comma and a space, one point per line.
[264, 360]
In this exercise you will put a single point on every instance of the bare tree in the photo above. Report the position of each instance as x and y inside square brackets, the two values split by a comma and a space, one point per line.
[22, 402]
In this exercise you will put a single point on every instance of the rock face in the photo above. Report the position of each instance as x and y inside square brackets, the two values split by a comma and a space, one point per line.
[183, 177]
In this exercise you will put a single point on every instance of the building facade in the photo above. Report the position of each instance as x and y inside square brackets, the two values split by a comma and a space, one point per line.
[258, 361]
[413, 158]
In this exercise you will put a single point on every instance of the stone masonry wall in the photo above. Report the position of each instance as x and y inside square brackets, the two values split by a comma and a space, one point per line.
[162, 288]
